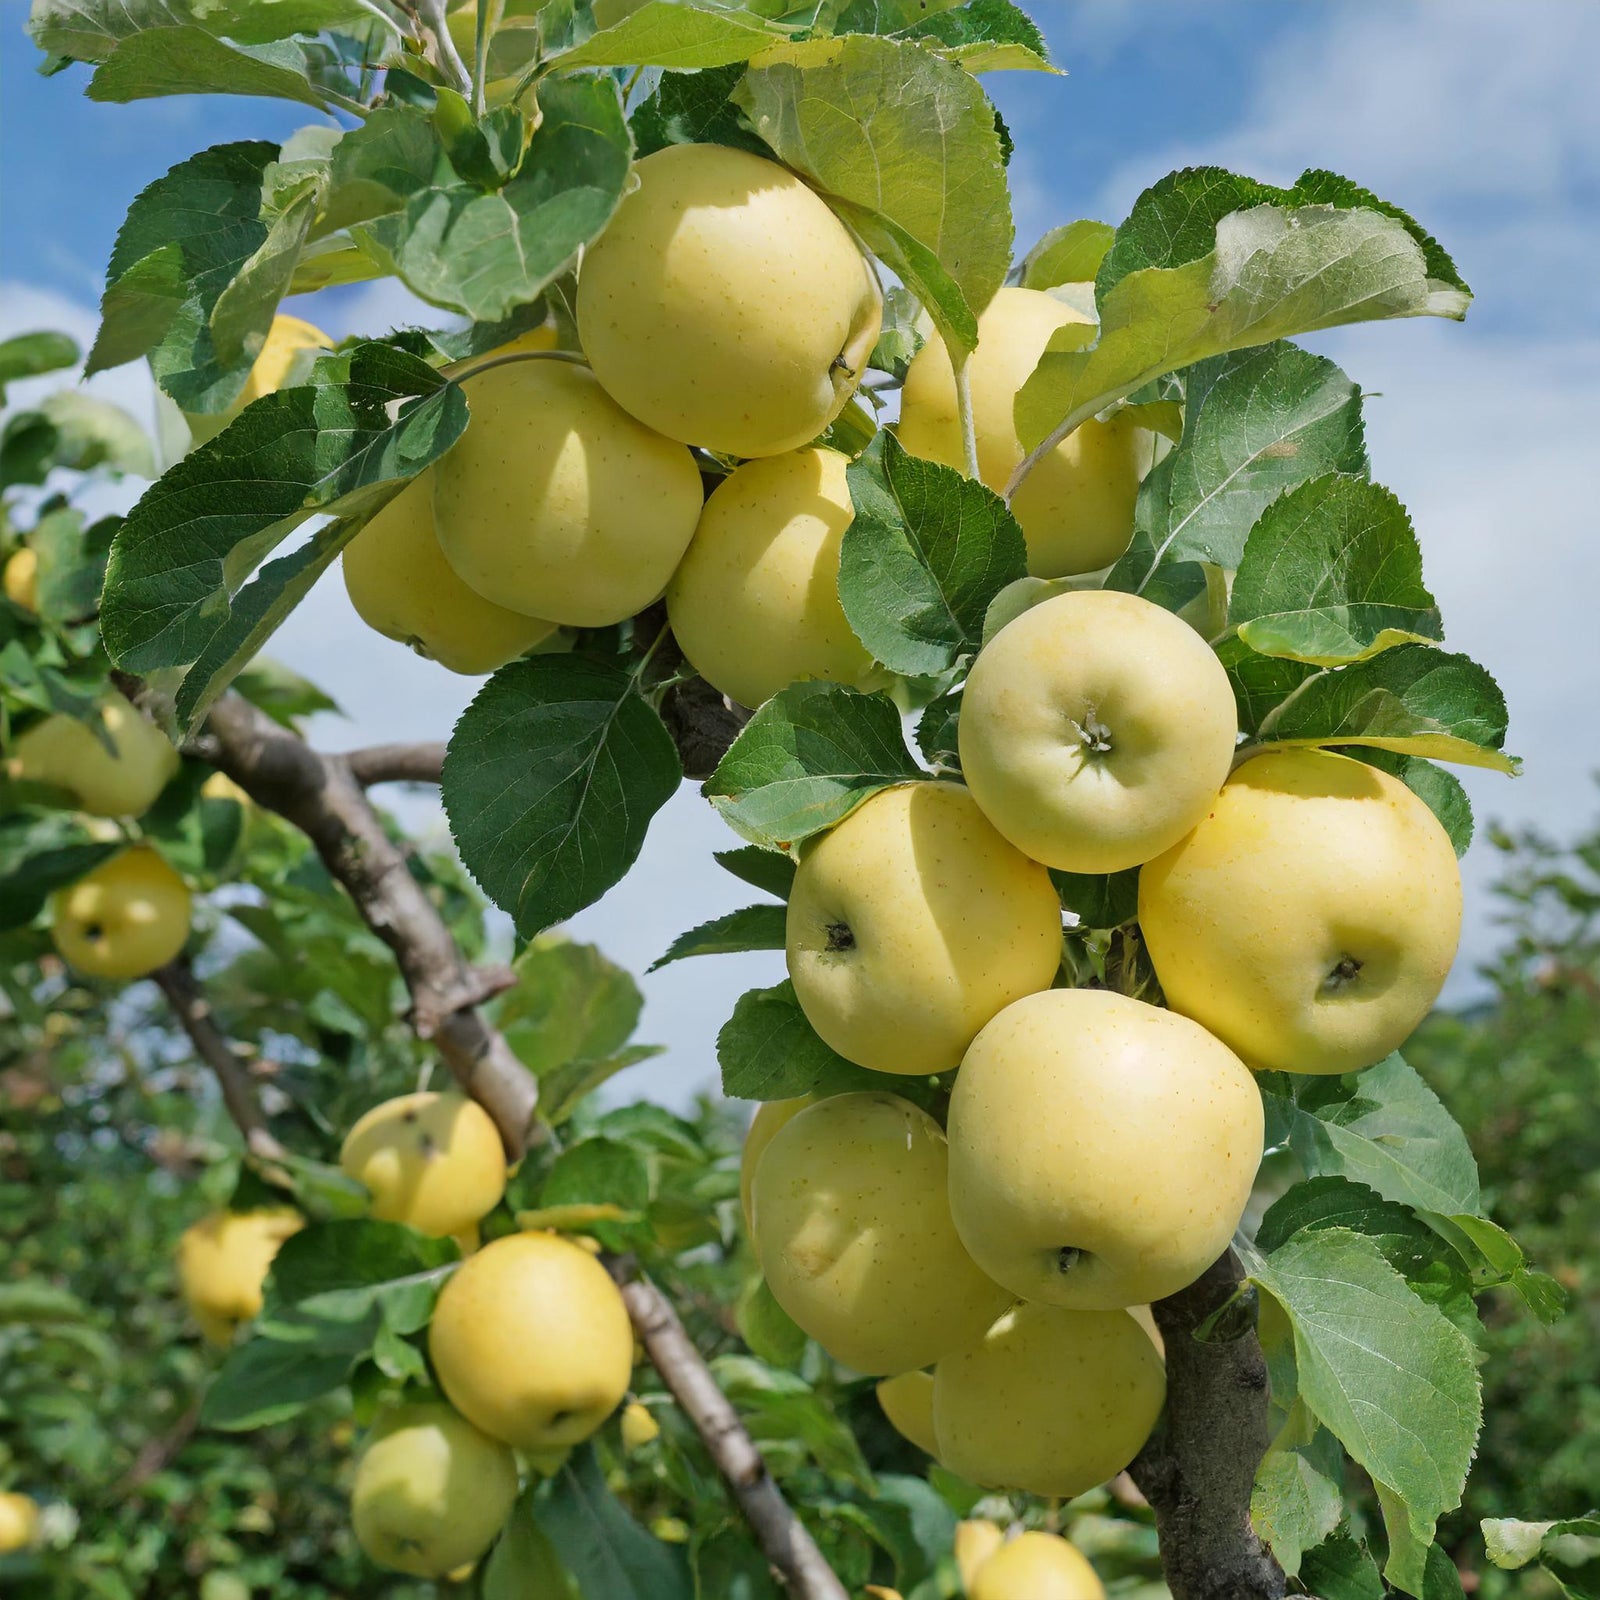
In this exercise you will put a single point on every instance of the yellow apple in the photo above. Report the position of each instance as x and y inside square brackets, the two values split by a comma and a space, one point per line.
[975, 1541]
[124, 919]
[1036, 1566]
[912, 923]
[433, 1161]
[907, 1401]
[1101, 1149]
[531, 1342]
[764, 1125]
[283, 357]
[1051, 1402]
[639, 1427]
[1311, 917]
[21, 580]
[755, 602]
[431, 1492]
[1076, 506]
[1095, 730]
[726, 305]
[402, 587]
[556, 503]
[66, 753]
[223, 1262]
[853, 1231]
[19, 1522]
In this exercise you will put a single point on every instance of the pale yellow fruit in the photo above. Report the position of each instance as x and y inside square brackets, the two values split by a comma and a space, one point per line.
[19, 1522]
[764, 1125]
[21, 580]
[1310, 918]
[124, 919]
[912, 923]
[853, 1231]
[1051, 1402]
[532, 1343]
[66, 753]
[402, 587]
[975, 1542]
[1101, 1149]
[907, 1401]
[1076, 506]
[755, 603]
[431, 1492]
[1036, 1566]
[223, 1262]
[282, 358]
[639, 1428]
[1095, 730]
[558, 504]
[433, 1161]
[726, 305]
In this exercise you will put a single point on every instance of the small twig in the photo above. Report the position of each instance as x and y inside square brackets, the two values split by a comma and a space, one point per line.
[783, 1538]
[396, 763]
[969, 432]
[177, 982]
[156, 1455]
[431, 13]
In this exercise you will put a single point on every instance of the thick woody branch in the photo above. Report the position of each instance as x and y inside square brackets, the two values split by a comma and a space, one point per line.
[321, 795]
[396, 763]
[177, 982]
[324, 797]
[1199, 1469]
[782, 1536]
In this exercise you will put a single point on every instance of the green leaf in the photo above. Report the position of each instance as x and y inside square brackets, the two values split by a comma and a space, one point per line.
[291, 1359]
[89, 30]
[486, 254]
[1415, 700]
[807, 759]
[901, 335]
[987, 36]
[604, 1549]
[552, 776]
[372, 419]
[1384, 1128]
[188, 60]
[1069, 254]
[27, 355]
[602, 1172]
[767, 870]
[75, 431]
[185, 239]
[1099, 900]
[523, 1564]
[1255, 423]
[1260, 683]
[1332, 572]
[750, 928]
[844, 112]
[676, 33]
[1341, 1569]
[938, 730]
[1512, 1544]
[926, 552]
[1439, 790]
[772, 1334]
[781, 1408]
[72, 562]
[1297, 1502]
[280, 691]
[569, 1004]
[1207, 263]
[346, 1270]
[1388, 1375]
[769, 1051]
[40, 852]
[377, 167]
[693, 108]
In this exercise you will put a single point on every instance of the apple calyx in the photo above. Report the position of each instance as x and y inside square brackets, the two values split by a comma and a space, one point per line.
[840, 937]
[1345, 972]
[1067, 1257]
[1093, 734]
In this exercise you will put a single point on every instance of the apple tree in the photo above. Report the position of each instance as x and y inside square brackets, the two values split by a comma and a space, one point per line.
[1071, 690]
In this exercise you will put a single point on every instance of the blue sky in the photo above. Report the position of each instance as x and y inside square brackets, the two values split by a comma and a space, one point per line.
[1477, 115]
